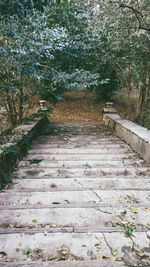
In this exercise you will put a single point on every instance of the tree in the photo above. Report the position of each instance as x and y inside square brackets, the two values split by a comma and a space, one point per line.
[125, 29]
[39, 56]
[27, 50]
[52, 46]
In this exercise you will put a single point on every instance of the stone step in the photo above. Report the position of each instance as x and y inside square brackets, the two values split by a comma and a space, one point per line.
[74, 205]
[80, 131]
[82, 145]
[99, 219]
[36, 172]
[82, 163]
[77, 246]
[85, 140]
[132, 157]
[68, 229]
[77, 138]
[65, 184]
[85, 133]
[76, 151]
[75, 197]
[73, 263]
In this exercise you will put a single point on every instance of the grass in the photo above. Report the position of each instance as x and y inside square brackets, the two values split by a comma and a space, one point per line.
[35, 161]
[32, 173]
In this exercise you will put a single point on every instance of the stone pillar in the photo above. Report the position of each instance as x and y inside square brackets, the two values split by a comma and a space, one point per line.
[42, 108]
[109, 108]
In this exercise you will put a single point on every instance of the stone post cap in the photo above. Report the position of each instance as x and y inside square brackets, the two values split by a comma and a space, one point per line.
[109, 104]
[42, 107]
[42, 101]
[109, 108]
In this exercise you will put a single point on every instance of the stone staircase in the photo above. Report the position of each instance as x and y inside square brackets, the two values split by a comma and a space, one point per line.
[81, 197]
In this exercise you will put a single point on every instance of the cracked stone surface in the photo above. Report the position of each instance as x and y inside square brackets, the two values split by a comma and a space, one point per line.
[80, 197]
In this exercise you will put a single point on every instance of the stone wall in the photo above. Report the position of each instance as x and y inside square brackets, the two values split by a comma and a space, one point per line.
[136, 136]
[12, 152]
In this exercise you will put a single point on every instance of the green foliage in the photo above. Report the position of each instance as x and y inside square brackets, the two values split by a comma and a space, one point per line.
[129, 230]
[39, 56]
[11, 150]
[27, 251]
[107, 86]
[124, 53]
[21, 8]
[32, 173]
[35, 161]
[52, 46]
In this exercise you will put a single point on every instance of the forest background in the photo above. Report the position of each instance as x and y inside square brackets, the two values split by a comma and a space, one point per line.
[49, 47]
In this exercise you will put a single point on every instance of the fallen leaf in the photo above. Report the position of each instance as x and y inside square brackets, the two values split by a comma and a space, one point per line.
[111, 258]
[120, 213]
[90, 253]
[45, 233]
[53, 185]
[53, 225]
[3, 254]
[98, 245]
[89, 234]
[133, 199]
[134, 209]
[122, 223]
[52, 258]
[64, 252]
[115, 252]
[138, 251]
[146, 209]
[67, 201]
[34, 221]
[97, 201]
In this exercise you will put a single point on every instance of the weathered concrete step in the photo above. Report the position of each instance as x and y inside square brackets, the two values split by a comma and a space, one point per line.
[73, 263]
[88, 141]
[81, 172]
[82, 145]
[82, 132]
[77, 151]
[69, 229]
[78, 133]
[116, 157]
[85, 177]
[44, 198]
[75, 197]
[82, 163]
[80, 184]
[74, 205]
[99, 137]
[80, 219]
[72, 138]
[84, 246]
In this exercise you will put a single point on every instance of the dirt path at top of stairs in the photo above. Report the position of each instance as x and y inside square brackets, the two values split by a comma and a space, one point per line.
[78, 107]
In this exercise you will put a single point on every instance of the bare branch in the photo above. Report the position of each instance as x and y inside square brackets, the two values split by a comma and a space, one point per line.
[138, 14]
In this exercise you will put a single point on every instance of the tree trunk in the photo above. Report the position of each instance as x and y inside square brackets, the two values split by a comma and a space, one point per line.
[11, 117]
[143, 102]
[21, 99]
